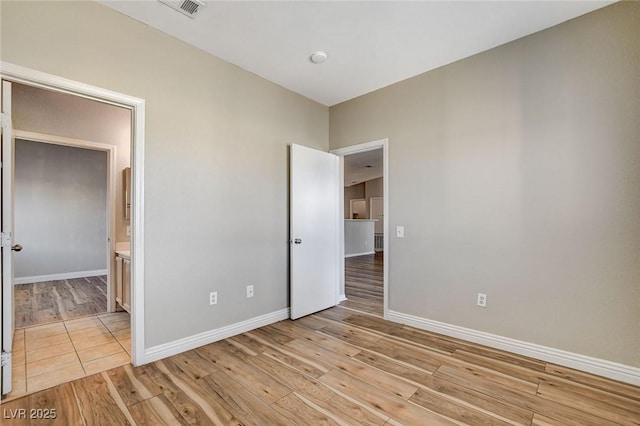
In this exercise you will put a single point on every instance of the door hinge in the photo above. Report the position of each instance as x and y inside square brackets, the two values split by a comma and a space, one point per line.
[5, 359]
[5, 239]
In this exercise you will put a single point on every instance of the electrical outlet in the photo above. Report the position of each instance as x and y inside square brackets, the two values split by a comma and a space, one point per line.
[249, 291]
[482, 300]
[213, 298]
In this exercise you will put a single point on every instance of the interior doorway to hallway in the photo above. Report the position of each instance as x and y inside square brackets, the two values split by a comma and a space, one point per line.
[364, 245]
[118, 327]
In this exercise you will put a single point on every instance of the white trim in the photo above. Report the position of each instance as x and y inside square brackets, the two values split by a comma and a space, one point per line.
[35, 78]
[185, 344]
[56, 277]
[137, 235]
[341, 250]
[360, 254]
[112, 156]
[354, 149]
[601, 367]
[61, 140]
[6, 298]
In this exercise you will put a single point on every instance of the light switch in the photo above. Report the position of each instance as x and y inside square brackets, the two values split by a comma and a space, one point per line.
[400, 231]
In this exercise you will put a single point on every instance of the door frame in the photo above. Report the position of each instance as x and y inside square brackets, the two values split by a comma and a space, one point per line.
[370, 204]
[355, 149]
[19, 74]
[111, 151]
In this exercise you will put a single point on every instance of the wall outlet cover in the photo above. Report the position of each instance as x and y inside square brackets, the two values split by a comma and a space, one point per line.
[482, 300]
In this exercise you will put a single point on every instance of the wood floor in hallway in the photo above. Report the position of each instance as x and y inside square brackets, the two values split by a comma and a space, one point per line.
[337, 367]
[364, 283]
[51, 301]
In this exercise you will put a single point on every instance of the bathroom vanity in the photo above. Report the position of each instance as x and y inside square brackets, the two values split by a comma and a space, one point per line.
[123, 276]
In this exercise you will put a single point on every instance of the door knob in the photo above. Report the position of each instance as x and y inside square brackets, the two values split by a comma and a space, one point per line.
[16, 247]
[297, 241]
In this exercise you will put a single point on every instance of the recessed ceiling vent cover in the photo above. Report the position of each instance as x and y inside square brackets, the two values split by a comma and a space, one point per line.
[187, 7]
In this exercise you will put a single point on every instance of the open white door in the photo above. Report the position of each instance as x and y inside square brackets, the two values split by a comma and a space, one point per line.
[7, 237]
[313, 230]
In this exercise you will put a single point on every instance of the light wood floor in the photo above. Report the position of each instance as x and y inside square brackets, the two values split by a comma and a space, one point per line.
[339, 367]
[364, 283]
[50, 301]
[51, 354]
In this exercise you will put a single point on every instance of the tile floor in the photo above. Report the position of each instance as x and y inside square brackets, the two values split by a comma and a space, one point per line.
[51, 354]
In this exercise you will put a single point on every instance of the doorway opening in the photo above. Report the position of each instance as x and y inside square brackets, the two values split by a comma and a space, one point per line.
[115, 332]
[62, 215]
[364, 248]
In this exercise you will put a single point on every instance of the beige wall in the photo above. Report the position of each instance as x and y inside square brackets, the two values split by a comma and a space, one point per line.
[373, 188]
[364, 190]
[216, 147]
[60, 210]
[353, 192]
[527, 158]
[60, 114]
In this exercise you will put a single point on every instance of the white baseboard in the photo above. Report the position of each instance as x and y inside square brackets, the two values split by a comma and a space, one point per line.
[55, 277]
[601, 367]
[342, 298]
[182, 345]
[359, 254]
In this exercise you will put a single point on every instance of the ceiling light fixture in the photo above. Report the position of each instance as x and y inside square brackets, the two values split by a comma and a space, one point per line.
[318, 57]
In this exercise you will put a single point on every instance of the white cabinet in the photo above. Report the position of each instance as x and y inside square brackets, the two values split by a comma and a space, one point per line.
[123, 282]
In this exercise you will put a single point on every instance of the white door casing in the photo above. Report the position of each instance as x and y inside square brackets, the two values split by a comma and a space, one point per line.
[313, 230]
[23, 75]
[354, 149]
[7, 237]
[376, 212]
[111, 152]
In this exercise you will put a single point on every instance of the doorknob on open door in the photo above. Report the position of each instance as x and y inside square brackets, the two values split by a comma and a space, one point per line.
[16, 247]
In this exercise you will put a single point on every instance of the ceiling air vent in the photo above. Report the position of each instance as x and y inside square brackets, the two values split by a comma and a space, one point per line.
[187, 7]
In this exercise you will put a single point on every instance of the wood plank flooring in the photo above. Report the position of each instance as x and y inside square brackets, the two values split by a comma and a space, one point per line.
[364, 283]
[50, 301]
[338, 367]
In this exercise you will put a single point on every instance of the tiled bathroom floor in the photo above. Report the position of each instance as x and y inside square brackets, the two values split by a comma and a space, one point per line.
[51, 354]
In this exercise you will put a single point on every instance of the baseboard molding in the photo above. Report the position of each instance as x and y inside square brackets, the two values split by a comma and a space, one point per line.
[359, 254]
[612, 370]
[55, 277]
[342, 298]
[182, 345]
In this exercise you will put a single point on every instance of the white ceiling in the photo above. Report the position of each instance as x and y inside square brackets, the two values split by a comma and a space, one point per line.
[371, 44]
[362, 167]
